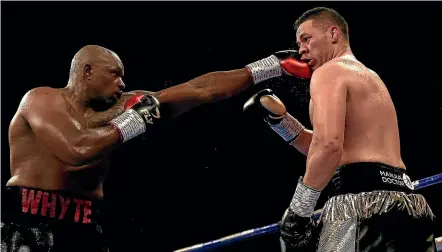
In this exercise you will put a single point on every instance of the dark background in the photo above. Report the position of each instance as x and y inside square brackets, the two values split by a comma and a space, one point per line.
[213, 171]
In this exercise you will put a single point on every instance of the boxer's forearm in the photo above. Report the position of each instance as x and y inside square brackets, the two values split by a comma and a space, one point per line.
[303, 141]
[102, 118]
[92, 145]
[208, 88]
[292, 131]
[223, 85]
[322, 160]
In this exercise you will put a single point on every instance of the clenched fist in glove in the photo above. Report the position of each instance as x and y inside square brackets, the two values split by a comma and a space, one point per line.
[298, 231]
[283, 62]
[141, 112]
[271, 109]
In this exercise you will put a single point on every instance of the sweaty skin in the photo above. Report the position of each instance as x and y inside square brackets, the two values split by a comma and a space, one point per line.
[351, 111]
[364, 122]
[59, 138]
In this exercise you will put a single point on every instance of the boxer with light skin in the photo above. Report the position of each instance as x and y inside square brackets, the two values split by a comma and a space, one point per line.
[354, 140]
[60, 140]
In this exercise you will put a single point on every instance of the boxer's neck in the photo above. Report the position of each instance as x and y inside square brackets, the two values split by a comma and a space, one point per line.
[77, 96]
[342, 51]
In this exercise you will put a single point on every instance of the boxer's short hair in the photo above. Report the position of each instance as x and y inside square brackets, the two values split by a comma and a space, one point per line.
[326, 17]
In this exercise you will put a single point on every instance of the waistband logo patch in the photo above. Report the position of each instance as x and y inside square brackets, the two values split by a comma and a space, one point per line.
[395, 179]
[407, 181]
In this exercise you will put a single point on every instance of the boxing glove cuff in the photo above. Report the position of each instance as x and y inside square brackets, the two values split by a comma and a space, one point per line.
[288, 128]
[129, 124]
[265, 69]
[304, 200]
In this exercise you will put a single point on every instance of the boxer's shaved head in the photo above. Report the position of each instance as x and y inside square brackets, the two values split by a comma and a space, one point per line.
[324, 18]
[97, 72]
[93, 55]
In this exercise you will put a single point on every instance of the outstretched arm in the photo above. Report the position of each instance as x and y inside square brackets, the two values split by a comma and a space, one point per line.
[176, 100]
[216, 86]
[208, 88]
[329, 94]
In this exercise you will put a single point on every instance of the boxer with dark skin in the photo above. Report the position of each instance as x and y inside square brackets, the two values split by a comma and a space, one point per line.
[60, 139]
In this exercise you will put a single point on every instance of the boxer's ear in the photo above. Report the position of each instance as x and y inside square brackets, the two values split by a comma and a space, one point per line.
[87, 71]
[334, 33]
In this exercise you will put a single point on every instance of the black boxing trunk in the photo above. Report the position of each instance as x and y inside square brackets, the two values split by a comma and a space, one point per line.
[373, 207]
[41, 220]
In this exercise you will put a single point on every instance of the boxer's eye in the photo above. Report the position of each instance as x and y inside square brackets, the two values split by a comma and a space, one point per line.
[116, 73]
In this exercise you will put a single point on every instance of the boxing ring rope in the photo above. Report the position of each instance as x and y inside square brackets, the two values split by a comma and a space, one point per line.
[273, 228]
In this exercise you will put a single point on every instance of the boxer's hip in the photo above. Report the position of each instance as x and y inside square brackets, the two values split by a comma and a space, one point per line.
[50, 220]
[373, 208]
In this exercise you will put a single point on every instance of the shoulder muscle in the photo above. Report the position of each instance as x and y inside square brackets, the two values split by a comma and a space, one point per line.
[41, 99]
[328, 77]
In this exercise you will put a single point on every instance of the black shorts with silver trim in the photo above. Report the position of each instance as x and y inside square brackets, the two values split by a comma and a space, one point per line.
[373, 207]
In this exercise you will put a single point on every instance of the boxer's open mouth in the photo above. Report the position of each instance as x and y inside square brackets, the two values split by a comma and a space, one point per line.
[118, 94]
[305, 60]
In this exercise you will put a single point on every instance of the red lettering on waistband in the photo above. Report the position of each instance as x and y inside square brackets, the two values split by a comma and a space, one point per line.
[45, 204]
[64, 206]
[87, 211]
[57, 204]
[29, 198]
[79, 202]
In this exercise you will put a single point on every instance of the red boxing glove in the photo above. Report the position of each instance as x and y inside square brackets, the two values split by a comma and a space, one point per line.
[141, 113]
[292, 66]
[132, 101]
[282, 62]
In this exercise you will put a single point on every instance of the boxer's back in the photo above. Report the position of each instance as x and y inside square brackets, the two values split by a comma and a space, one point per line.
[371, 132]
[33, 164]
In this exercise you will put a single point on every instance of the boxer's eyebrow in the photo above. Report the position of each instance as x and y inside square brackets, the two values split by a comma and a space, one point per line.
[298, 39]
[118, 69]
[301, 37]
[299, 32]
[298, 36]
